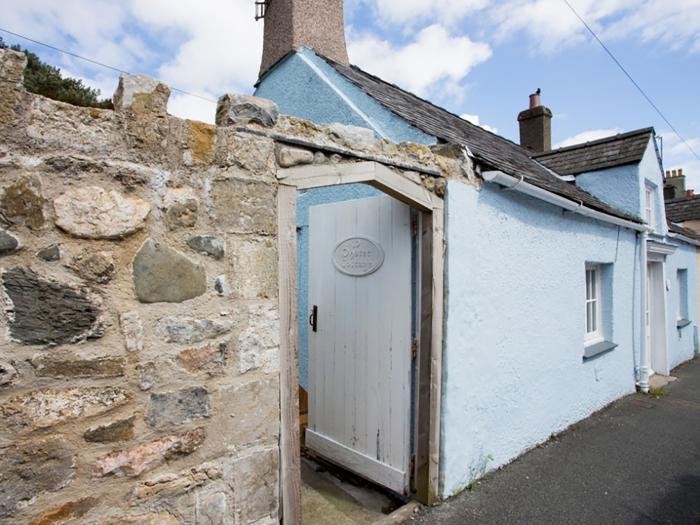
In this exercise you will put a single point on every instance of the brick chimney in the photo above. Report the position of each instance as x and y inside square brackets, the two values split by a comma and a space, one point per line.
[291, 24]
[536, 126]
[674, 186]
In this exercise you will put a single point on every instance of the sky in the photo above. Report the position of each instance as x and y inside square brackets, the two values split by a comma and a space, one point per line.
[477, 58]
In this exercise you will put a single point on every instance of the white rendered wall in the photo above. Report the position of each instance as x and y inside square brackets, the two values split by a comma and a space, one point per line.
[513, 361]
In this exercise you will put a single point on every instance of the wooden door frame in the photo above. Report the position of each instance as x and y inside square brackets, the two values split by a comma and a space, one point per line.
[430, 306]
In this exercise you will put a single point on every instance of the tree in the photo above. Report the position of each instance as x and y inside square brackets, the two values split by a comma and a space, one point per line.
[44, 79]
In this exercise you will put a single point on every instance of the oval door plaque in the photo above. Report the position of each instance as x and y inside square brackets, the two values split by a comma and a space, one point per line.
[358, 256]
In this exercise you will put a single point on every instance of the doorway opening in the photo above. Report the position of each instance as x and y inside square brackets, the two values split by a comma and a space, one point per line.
[361, 312]
[656, 317]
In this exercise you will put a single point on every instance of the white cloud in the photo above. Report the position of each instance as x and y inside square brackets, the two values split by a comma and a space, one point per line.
[474, 119]
[587, 136]
[221, 51]
[433, 57]
[192, 108]
[549, 25]
[552, 26]
[677, 155]
[208, 48]
[410, 12]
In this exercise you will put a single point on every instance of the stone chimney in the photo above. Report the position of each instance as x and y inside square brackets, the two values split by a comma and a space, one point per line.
[536, 126]
[291, 24]
[674, 187]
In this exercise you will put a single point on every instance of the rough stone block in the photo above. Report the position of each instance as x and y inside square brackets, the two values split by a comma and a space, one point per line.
[170, 485]
[148, 375]
[69, 366]
[259, 336]
[50, 253]
[209, 359]
[95, 213]
[238, 110]
[47, 312]
[207, 244]
[152, 518]
[50, 406]
[254, 268]
[353, 137]
[181, 208]
[176, 408]
[251, 153]
[135, 461]
[23, 200]
[32, 468]
[8, 243]
[132, 330]
[12, 64]
[213, 508]
[241, 206]
[162, 274]
[220, 285]
[252, 411]
[288, 157]
[8, 373]
[254, 478]
[64, 512]
[141, 94]
[119, 430]
[189, 330]
[96, 267]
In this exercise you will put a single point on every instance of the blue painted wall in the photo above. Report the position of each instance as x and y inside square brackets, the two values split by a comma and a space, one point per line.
[617, 186]
[305, 86]
[513, 360]
[681, 342]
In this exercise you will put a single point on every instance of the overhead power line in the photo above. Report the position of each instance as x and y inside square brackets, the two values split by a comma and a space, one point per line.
[634, 82]
[95, 62]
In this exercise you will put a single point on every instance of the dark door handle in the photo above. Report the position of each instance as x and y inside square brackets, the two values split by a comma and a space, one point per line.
[313, 318]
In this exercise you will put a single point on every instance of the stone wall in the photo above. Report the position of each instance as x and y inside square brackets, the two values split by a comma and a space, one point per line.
[139, 347]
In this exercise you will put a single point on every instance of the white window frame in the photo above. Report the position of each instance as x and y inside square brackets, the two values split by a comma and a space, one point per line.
[650, 212]
[593, 305]
[681, 302]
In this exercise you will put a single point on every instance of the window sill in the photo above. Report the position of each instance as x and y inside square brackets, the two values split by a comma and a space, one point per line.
[682, 323]
[597, 349]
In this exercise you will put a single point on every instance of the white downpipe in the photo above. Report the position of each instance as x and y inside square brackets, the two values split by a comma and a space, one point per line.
[645, 351]
[519, 185]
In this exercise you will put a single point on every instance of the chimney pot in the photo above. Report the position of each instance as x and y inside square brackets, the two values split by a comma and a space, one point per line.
[680, 172]
[536, 126]
[535, 100]
[690, 193]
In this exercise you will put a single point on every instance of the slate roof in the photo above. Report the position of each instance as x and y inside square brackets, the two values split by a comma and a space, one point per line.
[489, 149]
[618, 150]
[675, 228]
[683, 209]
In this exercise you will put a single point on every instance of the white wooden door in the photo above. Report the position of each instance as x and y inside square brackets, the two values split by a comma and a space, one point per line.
[360, 352]
[656, 318]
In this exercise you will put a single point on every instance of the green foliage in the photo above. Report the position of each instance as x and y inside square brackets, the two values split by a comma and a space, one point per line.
[46, 80]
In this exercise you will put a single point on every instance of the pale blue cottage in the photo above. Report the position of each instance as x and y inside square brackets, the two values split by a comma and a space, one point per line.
[546, 265]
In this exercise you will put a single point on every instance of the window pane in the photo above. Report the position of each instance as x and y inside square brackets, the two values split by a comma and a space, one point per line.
[594, 317]
[588, 318]
[588, 284]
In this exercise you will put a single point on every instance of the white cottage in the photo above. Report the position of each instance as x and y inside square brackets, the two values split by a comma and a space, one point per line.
[546, 274]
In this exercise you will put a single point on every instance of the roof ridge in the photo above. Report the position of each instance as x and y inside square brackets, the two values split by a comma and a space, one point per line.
[596, 142]
[379, 79]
